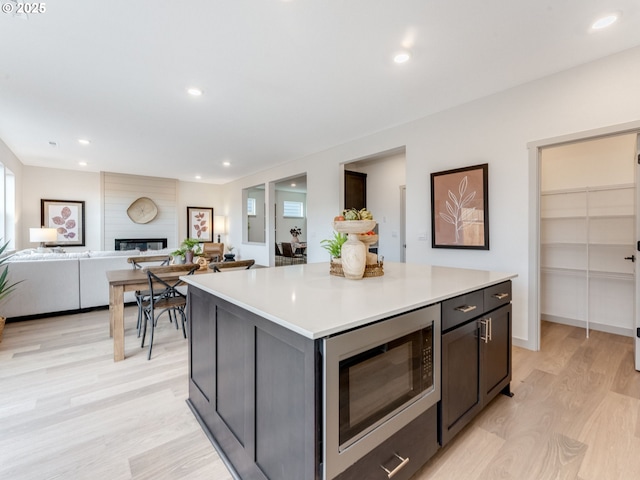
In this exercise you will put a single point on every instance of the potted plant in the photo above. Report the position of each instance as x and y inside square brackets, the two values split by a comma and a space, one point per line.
[5, 287]
[295, 231]
[229, 257]
[177, 256]
[191, 247]
[334, 246]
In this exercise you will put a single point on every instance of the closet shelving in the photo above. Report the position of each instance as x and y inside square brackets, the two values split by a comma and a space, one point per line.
[586, 233]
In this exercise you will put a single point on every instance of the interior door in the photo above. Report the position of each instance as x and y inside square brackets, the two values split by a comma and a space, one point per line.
[403, 223]
[637, 280]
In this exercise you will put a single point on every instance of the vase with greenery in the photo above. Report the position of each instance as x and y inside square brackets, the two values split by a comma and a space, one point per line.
[191, 247]
[334, 245]
[5, 287]
[178, 256]
[229, 256]
[295, 232]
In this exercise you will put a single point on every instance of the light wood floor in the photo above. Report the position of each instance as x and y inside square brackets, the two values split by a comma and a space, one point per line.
[67, 411]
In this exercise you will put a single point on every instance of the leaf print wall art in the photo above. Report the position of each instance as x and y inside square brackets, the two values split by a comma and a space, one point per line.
[460, 208]
[200, 223]
[67, 217]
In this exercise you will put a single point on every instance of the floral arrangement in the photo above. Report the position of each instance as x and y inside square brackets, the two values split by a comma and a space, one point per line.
[295, 231]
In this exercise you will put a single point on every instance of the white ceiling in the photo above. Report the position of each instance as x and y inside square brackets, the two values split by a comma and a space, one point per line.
[282, 79]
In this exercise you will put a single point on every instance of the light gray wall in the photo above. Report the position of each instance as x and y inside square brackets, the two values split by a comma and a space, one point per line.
[60, 184]
[494, 130]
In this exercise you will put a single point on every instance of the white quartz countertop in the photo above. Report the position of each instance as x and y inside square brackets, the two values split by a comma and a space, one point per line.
[309, 301]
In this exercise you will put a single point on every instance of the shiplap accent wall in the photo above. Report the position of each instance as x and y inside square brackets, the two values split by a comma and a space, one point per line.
[119, 191]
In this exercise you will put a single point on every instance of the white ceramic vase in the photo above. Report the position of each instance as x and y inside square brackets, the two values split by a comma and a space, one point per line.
[354, 257]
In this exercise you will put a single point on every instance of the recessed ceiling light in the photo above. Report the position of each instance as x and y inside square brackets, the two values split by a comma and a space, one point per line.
[401, 57]
[82, 163]
[198, 177]
[604, 22]
[196, 92]
[293, 184]
[83, 141]
[226, 163]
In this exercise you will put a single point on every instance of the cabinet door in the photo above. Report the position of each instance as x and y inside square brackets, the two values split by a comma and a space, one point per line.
[202, 358]
[460, 379]
[496, 353]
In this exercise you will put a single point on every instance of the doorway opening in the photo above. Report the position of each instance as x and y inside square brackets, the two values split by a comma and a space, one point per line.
[383, 195]
[586, 237]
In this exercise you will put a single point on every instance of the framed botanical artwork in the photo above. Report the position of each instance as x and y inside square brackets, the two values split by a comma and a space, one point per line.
[200, 223]
[67, 217]
[460, 208]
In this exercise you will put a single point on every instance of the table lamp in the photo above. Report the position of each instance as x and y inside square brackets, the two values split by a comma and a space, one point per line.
[220, 225]
[43, 235]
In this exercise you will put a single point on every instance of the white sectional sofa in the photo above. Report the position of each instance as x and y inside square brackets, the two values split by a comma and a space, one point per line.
[58, 282]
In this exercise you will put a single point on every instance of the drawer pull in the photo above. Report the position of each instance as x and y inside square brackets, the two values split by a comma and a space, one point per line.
[466, 308]
[403, 462]
[501, 296]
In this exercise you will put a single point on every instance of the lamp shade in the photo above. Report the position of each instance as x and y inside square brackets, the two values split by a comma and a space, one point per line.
[43, 235]
[220, 224]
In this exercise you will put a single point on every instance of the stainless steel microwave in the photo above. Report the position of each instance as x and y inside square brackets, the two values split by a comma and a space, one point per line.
[377, 379]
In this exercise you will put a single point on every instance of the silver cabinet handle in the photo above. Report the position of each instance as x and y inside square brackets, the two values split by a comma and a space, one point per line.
[466, 308]
[403, 462]
[485, 323]
[500, 296]
[490, 328]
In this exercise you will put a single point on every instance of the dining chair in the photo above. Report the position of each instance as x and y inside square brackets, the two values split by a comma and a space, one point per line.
[164, 296]
[138, 263]
[287, 252]
[213, 251]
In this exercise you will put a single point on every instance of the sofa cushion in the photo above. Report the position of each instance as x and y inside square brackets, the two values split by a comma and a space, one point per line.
[47, 286]
[94, 287]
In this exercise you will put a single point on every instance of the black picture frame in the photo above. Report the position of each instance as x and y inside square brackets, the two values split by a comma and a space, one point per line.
[460, 208]
[67, 217]
[200, 224]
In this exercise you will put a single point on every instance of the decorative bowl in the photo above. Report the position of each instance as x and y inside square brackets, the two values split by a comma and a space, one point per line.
[367, 239]
[354, 226]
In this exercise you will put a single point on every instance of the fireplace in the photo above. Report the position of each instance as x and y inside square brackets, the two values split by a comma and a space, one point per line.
[141, 244]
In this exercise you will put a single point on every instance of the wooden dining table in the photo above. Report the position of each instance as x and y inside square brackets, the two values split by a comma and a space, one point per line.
[128, 280]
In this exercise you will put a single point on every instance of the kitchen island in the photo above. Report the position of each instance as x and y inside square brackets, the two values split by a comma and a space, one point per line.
[256, 357]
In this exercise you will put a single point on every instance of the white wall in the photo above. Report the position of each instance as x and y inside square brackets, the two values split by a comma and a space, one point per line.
[285, 224]
[493, 130]
[55, 184]
[59, 184]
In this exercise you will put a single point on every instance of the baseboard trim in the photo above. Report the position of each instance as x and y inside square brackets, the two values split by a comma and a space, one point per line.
[600, 327]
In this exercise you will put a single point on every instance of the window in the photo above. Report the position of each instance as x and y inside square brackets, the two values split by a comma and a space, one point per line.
[293, 209]
[8, 206]
[251, 206]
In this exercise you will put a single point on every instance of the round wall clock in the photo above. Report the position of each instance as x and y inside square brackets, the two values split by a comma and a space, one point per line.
[142, 210]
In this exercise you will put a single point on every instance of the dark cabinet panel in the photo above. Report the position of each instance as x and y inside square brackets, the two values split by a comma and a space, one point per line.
[233, 373]
[253, 387]
[278, 406]
[355, 190]
[496, 364]
[405, 451]
[476, 355]
[461, 399]
[202, 360]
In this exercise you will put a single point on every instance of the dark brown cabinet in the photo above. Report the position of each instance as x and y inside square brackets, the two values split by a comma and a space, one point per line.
[355, 190]
[249, 385]
[476, 355]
